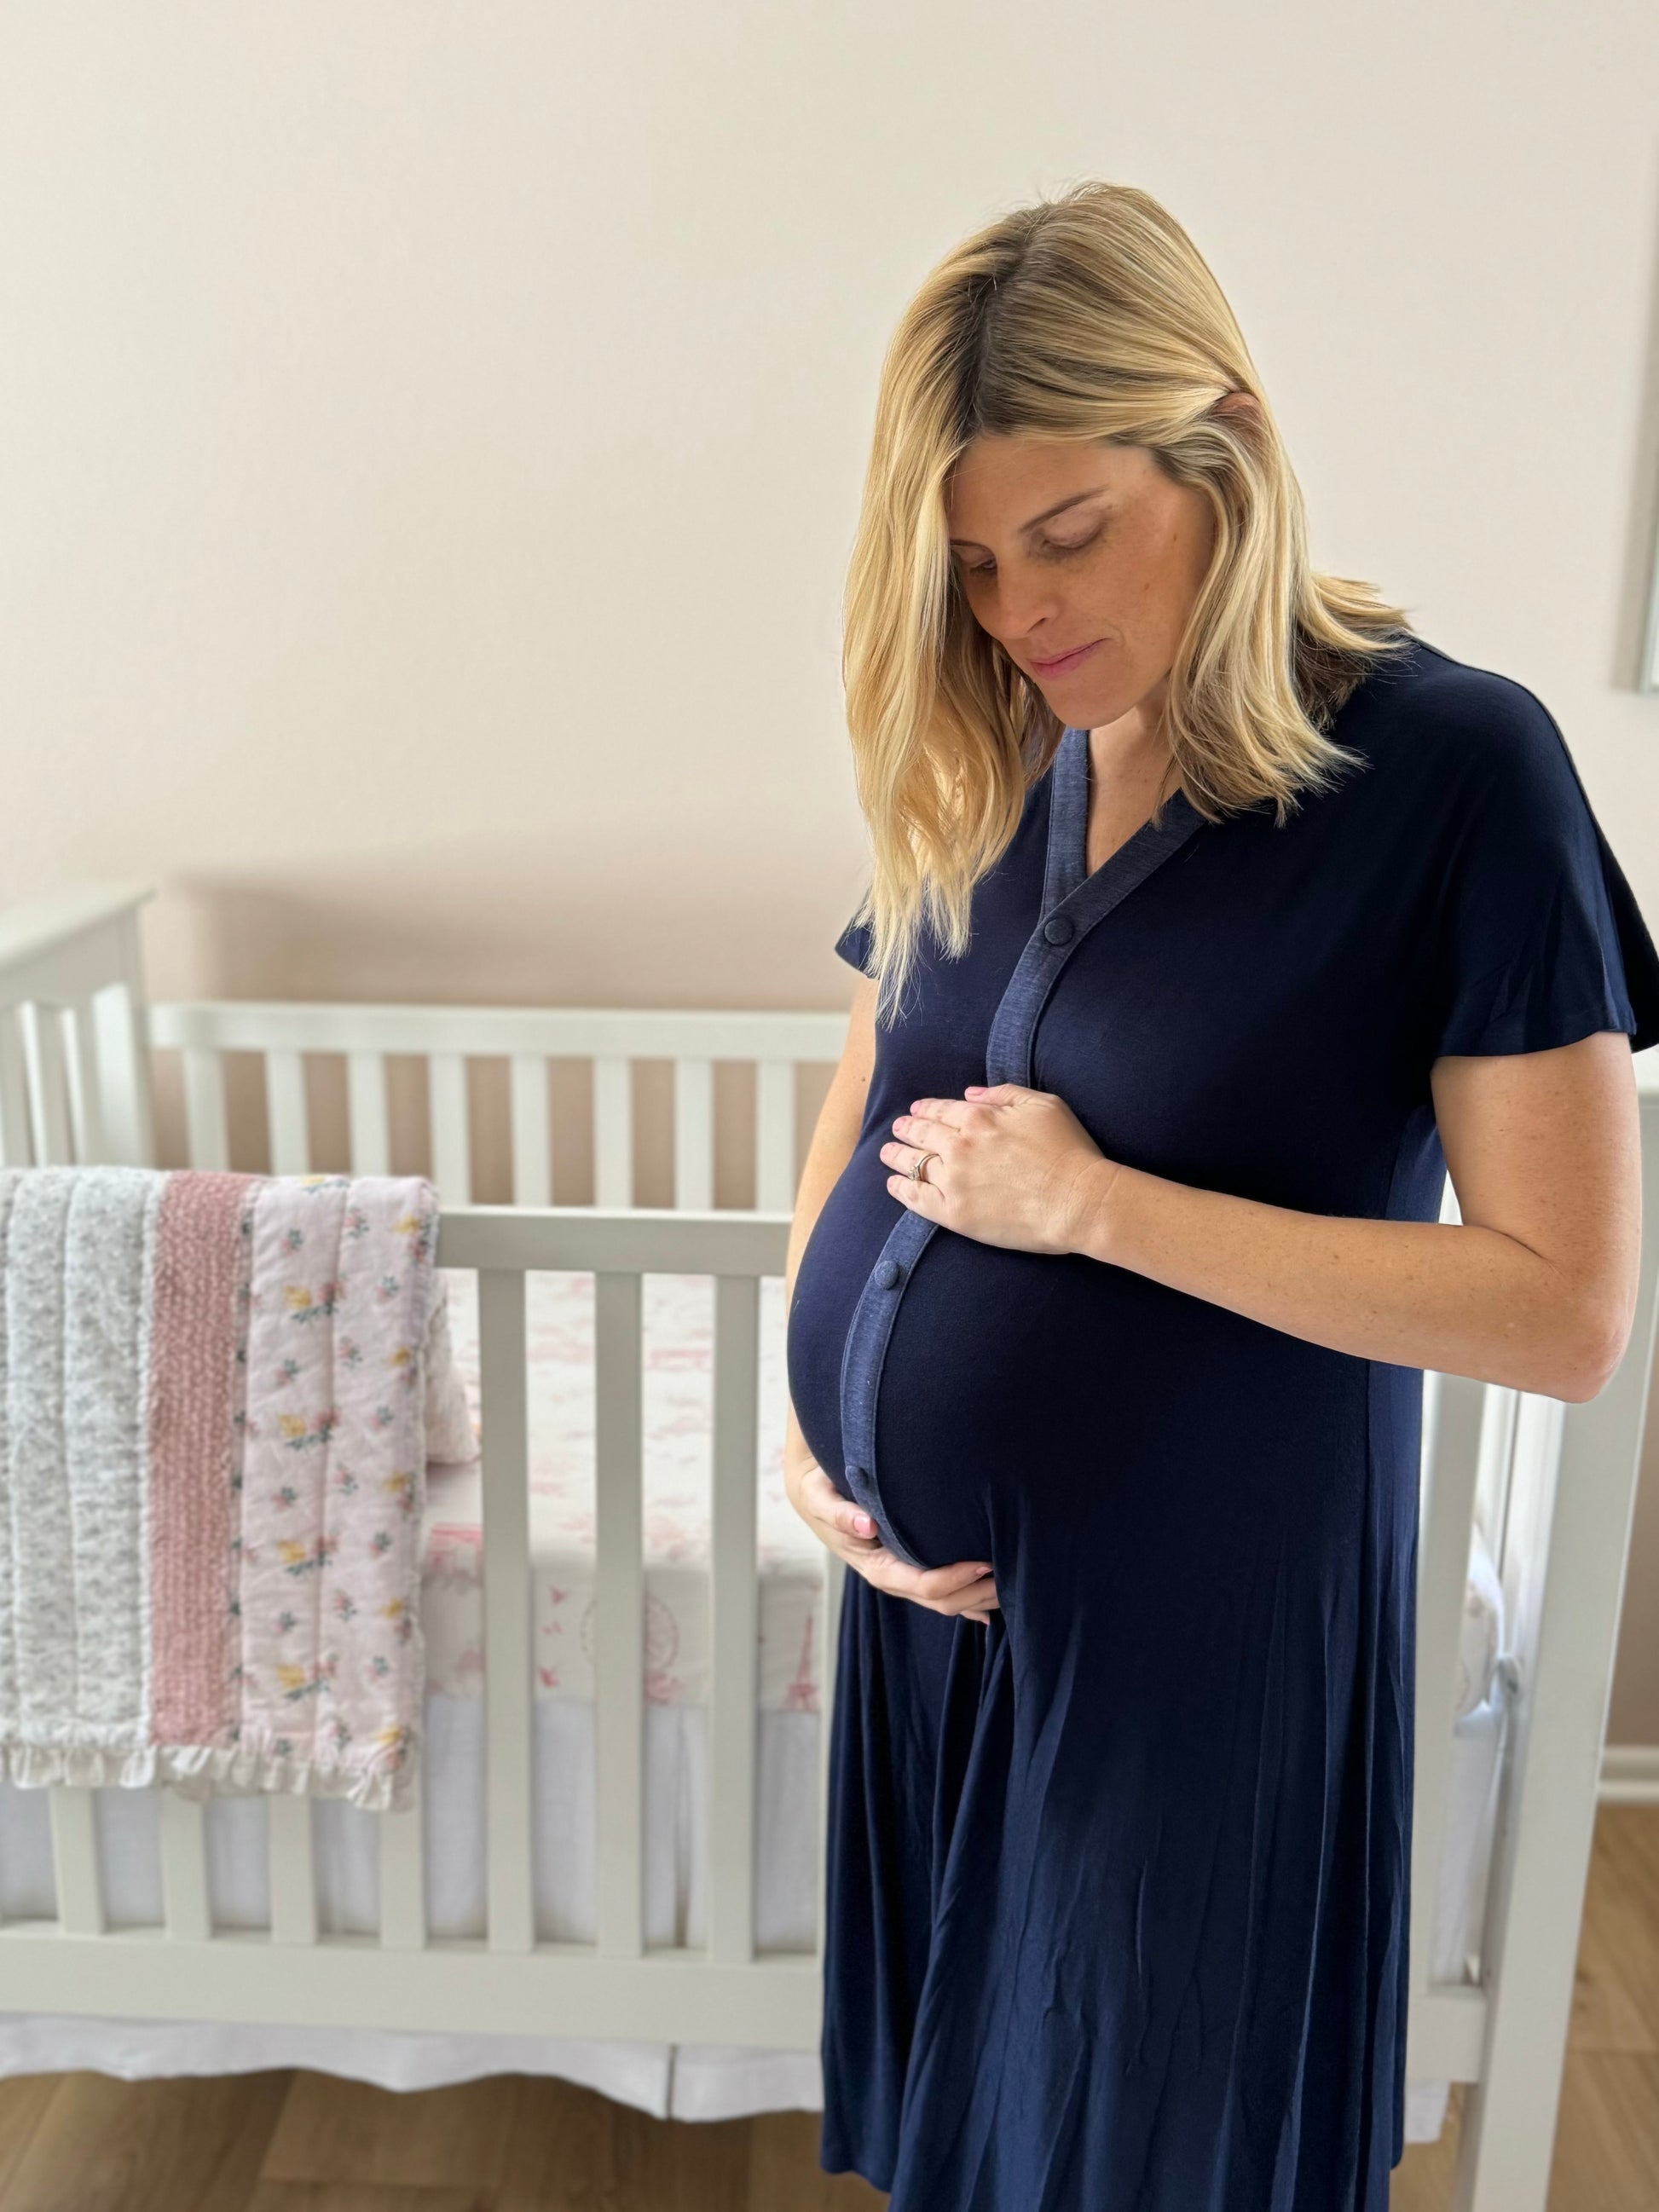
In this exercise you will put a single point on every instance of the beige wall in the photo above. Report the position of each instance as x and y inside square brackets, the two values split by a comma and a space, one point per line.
[430, 437]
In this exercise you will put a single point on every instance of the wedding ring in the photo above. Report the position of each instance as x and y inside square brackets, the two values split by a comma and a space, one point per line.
[914, 1170]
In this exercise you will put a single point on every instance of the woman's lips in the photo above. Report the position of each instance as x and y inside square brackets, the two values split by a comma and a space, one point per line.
[1067, 660]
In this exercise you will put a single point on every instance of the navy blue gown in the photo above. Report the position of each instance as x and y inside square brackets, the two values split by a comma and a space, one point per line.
[1117, 1885]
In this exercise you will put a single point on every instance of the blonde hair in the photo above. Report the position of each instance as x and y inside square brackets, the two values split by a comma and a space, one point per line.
[1092, 317]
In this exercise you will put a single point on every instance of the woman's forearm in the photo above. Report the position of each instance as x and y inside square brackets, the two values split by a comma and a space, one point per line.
[1452, 1296]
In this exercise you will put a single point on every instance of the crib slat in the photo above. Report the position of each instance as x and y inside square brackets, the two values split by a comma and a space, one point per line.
[506, 1481]
[369, 1120]
[619, 1613]
[774, 1135]
[207, 1125]
[532, 1131]
[124, 1063]
[734, 1619]
[694, 1134]
[184, 1869]
[292, 1876]
[403, 1880]
[81, 1062]
[1459, 1415]
[613, 1131]
[16, 1149]
[74, 1859]
[288, 1118]
[451, 1151]
[43, 1066]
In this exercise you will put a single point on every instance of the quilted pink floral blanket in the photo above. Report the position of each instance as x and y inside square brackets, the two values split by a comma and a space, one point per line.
[212, 1468]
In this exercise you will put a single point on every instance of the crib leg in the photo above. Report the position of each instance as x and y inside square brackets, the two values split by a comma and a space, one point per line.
[1504, 2146]
[1539, 1867]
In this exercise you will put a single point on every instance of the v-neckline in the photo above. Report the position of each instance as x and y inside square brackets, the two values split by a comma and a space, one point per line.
[1067, 867]
[1074, 901]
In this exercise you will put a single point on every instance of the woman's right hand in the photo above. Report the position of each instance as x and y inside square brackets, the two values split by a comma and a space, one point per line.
[846, 1529]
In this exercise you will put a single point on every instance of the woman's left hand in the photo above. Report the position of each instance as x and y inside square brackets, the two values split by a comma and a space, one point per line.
[1012, 1167]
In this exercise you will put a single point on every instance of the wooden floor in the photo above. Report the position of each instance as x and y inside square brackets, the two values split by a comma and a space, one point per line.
[298, 2142]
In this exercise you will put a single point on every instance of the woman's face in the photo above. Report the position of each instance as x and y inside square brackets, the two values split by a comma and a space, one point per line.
[1062, 546]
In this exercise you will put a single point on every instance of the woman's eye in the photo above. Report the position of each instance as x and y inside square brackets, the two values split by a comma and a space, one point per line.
[1071, 545]
[1059, 545]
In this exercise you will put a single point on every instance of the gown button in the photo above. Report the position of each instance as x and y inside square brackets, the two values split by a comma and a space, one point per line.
[855, 1476]
[887, 1273]
[1060, 929]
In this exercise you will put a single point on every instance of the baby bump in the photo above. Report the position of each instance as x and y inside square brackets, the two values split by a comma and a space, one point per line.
[1060, 1416]
[991, 1420]
[1057, 1413]
[961, 1377]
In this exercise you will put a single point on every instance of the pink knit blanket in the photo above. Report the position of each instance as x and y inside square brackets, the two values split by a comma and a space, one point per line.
[212, 1471]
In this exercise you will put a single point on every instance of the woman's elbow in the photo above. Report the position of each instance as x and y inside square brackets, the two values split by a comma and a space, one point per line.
[1588, 1349]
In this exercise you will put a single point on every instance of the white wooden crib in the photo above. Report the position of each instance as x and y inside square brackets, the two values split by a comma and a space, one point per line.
[1552, 1485]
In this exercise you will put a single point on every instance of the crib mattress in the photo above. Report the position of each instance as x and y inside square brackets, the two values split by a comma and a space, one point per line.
[677, 1323]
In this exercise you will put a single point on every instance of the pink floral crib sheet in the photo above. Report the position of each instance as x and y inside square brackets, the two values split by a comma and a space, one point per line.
[677, 1322]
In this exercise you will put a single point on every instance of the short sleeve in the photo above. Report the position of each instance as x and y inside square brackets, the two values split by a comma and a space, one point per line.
[1541, 941]
[854, 945]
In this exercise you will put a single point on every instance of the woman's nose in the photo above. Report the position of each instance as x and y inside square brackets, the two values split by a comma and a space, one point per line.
[1028, 610]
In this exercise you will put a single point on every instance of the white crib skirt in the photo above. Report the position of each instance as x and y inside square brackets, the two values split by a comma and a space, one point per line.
[687, 2081]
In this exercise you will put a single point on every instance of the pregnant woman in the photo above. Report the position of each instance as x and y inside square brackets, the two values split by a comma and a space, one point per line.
[1214, 915]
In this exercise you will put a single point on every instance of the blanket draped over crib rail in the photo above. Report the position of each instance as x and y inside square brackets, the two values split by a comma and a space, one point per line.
[212, 1472]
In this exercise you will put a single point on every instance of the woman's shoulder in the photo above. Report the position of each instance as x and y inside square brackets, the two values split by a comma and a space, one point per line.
[1540, 937]
[1440, 728]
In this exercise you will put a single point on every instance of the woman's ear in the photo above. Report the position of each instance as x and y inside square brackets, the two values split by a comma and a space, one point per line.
[1242, 404]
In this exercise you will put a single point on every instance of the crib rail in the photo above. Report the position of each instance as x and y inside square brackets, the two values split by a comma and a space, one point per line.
[528, 1039]
[510, 1981]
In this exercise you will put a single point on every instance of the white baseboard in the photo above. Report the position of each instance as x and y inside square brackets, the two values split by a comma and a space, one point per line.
[1630, 1774]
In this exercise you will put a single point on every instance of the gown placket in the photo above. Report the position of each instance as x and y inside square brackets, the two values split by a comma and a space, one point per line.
[1073, 901]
